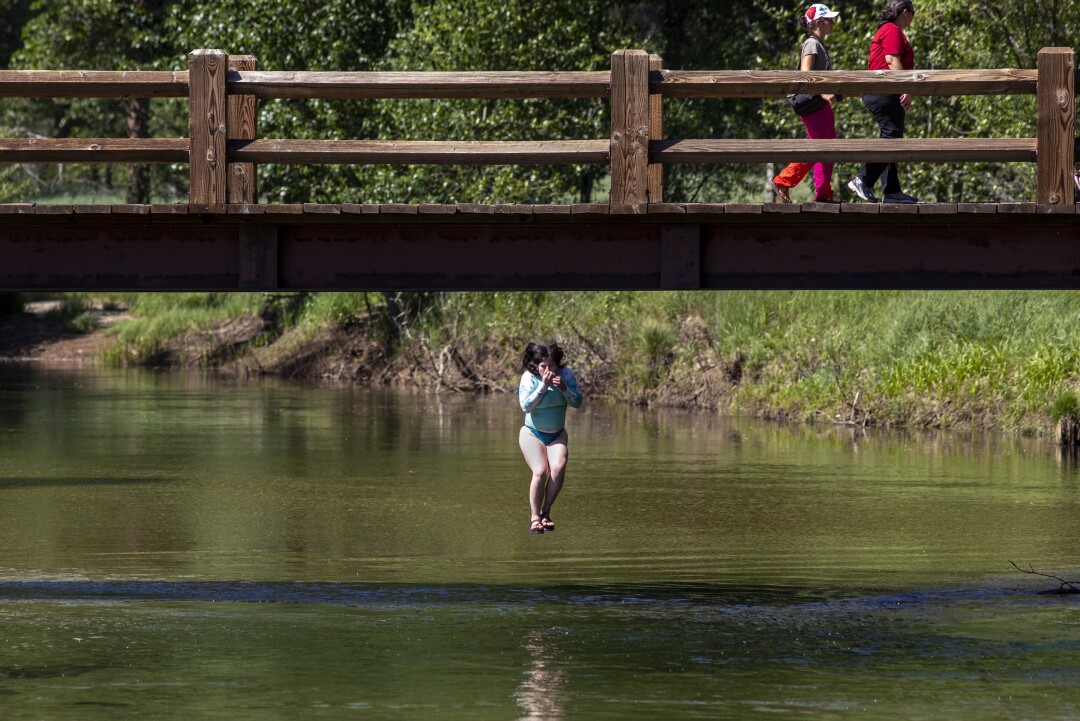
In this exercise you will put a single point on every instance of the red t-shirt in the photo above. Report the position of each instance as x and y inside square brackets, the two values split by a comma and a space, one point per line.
[890, 40]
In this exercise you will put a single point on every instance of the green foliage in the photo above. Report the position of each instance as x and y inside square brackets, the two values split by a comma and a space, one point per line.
[76, 313]
[162, 317]
[344, 35]
[1066, 406]
[509, 35]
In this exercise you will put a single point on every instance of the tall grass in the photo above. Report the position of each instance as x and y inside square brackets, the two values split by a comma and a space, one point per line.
[960, 359]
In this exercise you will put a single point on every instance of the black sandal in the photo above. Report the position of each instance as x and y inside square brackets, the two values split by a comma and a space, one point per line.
[546, 522]
[536, 526]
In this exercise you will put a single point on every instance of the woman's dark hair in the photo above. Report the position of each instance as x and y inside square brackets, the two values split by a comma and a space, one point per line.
[892, 10]
[537, 353]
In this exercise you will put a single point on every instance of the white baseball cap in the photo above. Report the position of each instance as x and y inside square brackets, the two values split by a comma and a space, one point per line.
[817, 11]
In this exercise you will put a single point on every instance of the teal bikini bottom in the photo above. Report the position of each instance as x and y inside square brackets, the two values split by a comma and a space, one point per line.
[547, 438]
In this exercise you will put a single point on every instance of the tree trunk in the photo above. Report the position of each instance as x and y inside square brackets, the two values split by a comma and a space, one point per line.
[138, 121]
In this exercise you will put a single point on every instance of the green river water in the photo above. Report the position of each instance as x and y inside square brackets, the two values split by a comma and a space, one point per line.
[178, 547]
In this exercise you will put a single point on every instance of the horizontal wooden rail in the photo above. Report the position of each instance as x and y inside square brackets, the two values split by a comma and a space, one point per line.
[935, 150]
[419, 152]
[93, 84]
[367, 85]
[223, 147]
[93, 150]
[779, 83]
[542, 152]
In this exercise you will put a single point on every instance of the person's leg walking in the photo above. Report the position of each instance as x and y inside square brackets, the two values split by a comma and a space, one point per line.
[789, 177]
[536, 457]
[889, 115]
[822, 125]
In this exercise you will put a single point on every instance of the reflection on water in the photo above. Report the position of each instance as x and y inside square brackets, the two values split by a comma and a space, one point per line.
[540, 692]
[264, 550]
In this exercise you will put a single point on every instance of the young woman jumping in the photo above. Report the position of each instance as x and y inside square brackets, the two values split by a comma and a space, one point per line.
[547, 388]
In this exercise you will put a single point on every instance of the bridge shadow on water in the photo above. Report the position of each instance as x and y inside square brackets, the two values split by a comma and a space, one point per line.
[731, 599]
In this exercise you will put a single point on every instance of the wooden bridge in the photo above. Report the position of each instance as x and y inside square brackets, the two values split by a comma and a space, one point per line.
[222, 239]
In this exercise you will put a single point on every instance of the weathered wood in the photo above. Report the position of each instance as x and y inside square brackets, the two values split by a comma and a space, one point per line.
[368, 85]
[92, 84]
[321, 209]
[976, 208]
[780, 83]
[680, 257]
[242, 124]
[629, 131]
[258, 257]
[844, 150]
[428, 152]
[93, 150]
[221, 251]
[781, 208]
[207, 125]
[937, 208]
[823, 208]
[860, 208]
[655, 188]
[1057, 126]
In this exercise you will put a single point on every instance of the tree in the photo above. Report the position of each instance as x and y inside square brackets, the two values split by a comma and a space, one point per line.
[99, 35]
[343, 35]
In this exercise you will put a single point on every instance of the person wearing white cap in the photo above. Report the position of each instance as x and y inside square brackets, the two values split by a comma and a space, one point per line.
[815, 111]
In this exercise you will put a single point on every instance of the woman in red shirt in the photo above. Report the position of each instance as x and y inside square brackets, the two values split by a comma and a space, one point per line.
[889, 50]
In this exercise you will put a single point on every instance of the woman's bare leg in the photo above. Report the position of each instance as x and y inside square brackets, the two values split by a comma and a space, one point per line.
[536, 457]
[557, 455]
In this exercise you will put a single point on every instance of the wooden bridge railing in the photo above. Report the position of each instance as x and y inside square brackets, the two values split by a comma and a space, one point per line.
[224, 147]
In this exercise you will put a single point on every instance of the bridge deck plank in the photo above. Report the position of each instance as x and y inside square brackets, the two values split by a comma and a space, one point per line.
[327, 210]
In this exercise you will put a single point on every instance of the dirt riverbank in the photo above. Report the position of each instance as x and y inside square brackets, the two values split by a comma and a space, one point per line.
[38, 335]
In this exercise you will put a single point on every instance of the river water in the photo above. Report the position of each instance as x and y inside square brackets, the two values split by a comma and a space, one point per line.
[178, 547]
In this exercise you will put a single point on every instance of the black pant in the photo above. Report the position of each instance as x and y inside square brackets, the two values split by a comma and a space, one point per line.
[889, 115]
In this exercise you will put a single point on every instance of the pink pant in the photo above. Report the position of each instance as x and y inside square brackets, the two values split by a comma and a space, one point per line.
[819, 124]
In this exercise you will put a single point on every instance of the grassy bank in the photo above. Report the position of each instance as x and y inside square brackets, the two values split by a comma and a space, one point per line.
[998, 360]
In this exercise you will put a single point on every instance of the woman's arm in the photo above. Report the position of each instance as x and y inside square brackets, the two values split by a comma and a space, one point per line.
[895, 64]
[569, 388]
[807, 66]
[530, 392]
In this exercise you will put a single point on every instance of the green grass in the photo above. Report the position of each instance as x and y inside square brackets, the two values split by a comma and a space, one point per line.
[159, 318]
[995, 359]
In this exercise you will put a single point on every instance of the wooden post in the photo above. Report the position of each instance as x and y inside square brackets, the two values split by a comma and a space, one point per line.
[1057, 127]
[242, 122]
[207, 127]
[629, 131]
[655, 188]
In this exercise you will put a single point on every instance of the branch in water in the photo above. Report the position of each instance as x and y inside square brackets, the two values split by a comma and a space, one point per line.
[1065, 587]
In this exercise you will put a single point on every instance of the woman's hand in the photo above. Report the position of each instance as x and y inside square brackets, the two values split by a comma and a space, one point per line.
[549, 378]
[558, 382]
[905, 102]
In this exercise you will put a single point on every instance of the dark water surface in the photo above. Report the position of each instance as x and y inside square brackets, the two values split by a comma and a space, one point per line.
[178, 547]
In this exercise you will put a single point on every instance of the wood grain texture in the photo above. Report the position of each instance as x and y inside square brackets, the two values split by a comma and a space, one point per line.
[369, 85]
[208, 164]
[780, 83]
[242, 124]
[1057, 126]
[93, 150]
[92, 84]
[426, 152]
[844, 150]
[655, 188]
[629, 131]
